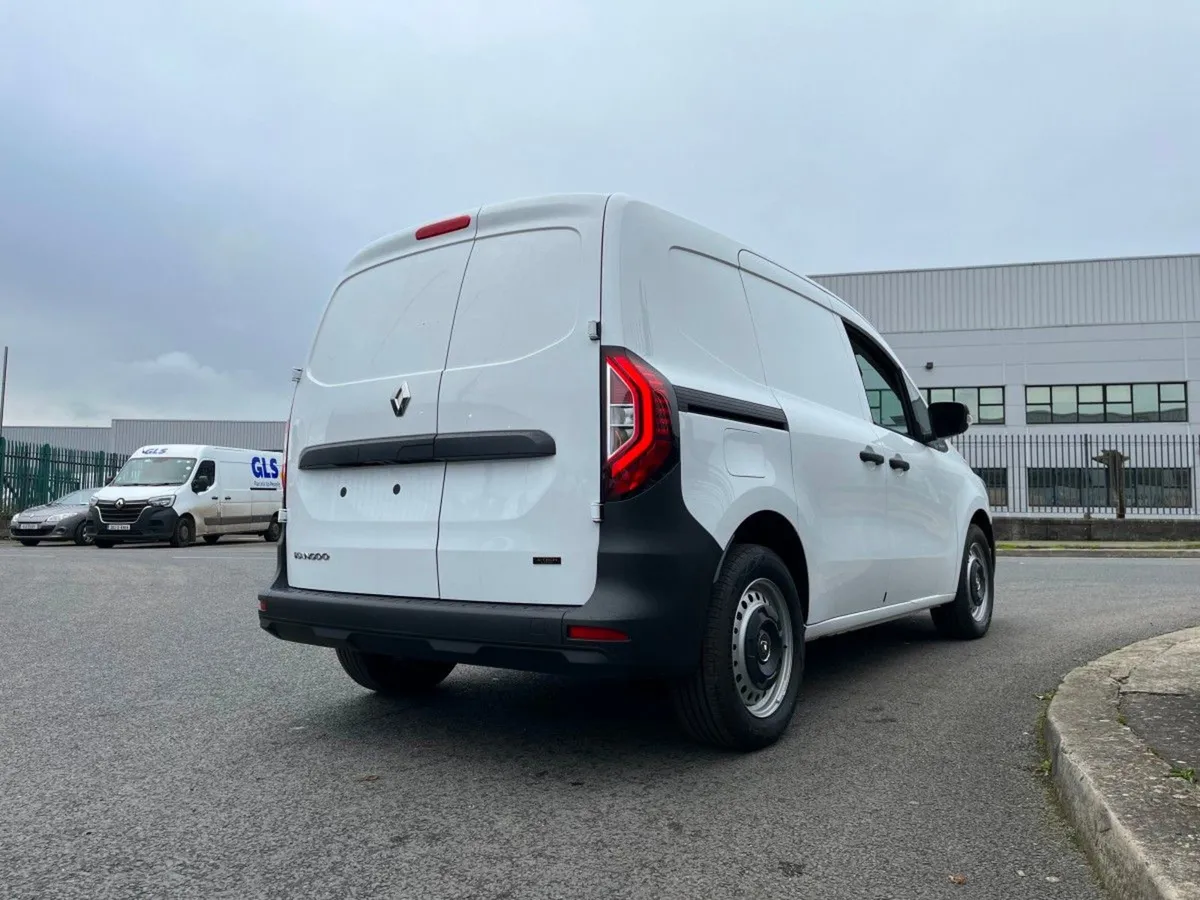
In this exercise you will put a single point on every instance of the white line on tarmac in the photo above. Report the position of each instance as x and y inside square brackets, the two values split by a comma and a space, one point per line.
[201, 557]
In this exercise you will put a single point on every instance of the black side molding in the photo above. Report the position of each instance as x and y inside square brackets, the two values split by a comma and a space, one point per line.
[419, 448]
[702, 403]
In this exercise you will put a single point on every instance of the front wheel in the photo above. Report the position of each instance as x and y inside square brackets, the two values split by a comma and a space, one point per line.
[85, 533]
[391, 675]
[271, 535]
[969, 615]
[184, 533]
[743, 694]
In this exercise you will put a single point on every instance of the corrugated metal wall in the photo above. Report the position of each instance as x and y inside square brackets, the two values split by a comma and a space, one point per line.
[126, 435]
[1091, 292]
[129, 434]
[90, 439]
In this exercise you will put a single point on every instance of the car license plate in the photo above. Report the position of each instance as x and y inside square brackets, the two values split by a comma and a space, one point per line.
[27, 526]
[118, 527]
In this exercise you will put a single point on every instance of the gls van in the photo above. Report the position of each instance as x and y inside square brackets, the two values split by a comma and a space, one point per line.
[580, 433]
[176, 493]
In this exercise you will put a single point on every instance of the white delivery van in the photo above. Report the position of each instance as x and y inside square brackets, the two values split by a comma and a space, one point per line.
[178, 492]
[581, 433]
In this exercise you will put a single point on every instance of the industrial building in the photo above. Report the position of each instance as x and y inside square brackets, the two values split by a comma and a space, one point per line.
[124, 436]
[1059, 362]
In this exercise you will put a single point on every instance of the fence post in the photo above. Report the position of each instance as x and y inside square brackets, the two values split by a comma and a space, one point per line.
[42, 484]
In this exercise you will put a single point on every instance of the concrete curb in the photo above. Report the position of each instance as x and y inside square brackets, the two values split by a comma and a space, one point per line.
[1119, 796]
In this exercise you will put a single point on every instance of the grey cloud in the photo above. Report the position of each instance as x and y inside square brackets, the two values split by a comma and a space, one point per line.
[189, 178]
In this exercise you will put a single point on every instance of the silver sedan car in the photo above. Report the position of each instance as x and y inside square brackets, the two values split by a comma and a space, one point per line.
[64, 519]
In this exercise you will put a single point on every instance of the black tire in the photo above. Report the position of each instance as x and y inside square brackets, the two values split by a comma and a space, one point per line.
[211, 538]
[391, 676]
[969, 615]
[184, 534]
[29, 542]
[85, 533]
[709, 703]
[102, 544]
[271, 535]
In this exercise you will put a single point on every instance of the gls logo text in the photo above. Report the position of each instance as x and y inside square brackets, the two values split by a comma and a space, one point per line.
[154, 451]
[264, 467]
[311, 557]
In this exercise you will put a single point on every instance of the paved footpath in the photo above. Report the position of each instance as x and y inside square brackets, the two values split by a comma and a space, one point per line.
[1124, 738]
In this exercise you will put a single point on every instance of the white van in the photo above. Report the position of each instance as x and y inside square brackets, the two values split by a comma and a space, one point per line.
[580, 433]
[178, 492]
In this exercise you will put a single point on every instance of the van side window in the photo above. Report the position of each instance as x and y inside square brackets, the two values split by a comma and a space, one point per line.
[206, 469]
[884, 385]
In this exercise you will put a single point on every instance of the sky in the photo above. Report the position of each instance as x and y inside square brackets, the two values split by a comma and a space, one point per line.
[181, 183]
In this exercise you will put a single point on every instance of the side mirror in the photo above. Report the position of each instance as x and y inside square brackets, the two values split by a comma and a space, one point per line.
[949, 419]
[200, 484]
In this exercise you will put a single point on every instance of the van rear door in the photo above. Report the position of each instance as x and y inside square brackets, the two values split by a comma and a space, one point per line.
[519, 417]
[364, 489]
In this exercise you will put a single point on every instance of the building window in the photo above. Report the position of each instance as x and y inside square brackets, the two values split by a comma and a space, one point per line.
[1145, 488]
[1075, 487]
[1087, 403]
[996, 482]
[985, 403]
[1158, 488]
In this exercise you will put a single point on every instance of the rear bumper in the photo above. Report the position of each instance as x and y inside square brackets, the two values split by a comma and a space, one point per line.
[654, 578]
[156, 523]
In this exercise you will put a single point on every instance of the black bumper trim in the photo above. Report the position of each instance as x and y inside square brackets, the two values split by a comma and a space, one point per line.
[654, 578]
[156, 523]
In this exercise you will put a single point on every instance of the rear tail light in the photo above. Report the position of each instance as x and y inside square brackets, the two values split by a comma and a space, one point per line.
[639, 428]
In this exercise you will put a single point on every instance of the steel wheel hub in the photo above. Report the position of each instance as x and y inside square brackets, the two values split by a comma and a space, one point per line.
[762, 648]
[978, 583]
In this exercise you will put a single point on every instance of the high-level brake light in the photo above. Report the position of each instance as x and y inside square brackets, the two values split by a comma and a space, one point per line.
[458, 223]
[639, 434]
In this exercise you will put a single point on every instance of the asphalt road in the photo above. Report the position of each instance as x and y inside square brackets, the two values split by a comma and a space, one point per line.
[155, 743]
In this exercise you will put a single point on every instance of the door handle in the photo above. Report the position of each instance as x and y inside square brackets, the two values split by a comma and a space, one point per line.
[899, 462]
[870, 456]
[228, 498]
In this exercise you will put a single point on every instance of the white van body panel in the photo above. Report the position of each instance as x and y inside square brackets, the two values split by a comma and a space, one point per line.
[841, 503]
[680, 305]
[385, 330]
[521, 359]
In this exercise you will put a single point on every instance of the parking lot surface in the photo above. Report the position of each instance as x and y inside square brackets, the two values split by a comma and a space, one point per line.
[156, 743]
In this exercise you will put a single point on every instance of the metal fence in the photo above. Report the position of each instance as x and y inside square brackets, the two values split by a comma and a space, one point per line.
[31, 474]
[1082, 474]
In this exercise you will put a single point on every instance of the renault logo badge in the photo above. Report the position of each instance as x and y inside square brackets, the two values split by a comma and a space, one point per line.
[120, 502]
[400, 401]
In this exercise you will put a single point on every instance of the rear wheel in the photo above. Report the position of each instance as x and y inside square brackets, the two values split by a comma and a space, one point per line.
[744, 692]
[85, 533]
[29, 543]
[185, 532]
[969, 615]
[271, 535]
[392, 676]
[211, 538]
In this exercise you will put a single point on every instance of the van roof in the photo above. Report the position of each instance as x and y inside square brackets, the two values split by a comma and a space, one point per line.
[193, 450]
[553, 206]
